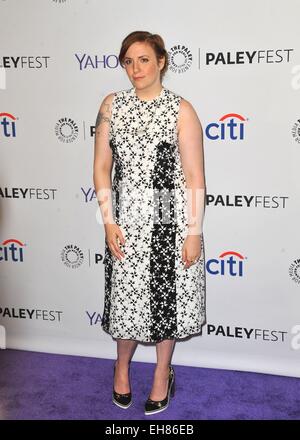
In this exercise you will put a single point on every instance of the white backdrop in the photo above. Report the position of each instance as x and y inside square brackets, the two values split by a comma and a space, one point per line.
[239, 65]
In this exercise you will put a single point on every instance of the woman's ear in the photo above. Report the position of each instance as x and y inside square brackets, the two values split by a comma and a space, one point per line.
[162, 62]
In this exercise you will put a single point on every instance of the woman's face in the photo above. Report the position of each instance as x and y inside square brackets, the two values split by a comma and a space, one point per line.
[141, 65]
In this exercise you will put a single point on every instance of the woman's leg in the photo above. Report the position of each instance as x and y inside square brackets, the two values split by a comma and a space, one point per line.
[125, 349]
[164, 351]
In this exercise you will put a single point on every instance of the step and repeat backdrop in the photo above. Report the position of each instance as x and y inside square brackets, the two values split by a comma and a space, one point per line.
[238, 64]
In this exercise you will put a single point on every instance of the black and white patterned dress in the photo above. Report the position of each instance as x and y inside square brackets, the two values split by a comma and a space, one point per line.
[149, 296]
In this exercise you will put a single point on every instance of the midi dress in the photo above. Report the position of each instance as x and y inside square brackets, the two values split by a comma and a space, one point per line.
[149, 296]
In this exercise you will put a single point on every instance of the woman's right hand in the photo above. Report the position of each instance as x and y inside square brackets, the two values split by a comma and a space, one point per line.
[114, 238]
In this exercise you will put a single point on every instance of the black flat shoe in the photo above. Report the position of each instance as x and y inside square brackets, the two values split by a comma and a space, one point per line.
[156, 406]
[121, 400]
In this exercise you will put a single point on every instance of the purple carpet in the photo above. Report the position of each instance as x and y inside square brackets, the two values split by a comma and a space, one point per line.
[46, 386]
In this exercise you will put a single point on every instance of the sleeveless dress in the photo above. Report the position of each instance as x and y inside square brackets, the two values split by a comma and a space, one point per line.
[149, 296]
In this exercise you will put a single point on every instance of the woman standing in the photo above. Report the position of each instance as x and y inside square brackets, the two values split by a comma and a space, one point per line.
[152, 213]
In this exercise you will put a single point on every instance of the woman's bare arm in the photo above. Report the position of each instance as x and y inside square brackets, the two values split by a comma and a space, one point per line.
[190, 136]
[103, 160]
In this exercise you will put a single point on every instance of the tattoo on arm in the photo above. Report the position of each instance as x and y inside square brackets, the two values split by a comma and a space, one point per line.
[101, 118]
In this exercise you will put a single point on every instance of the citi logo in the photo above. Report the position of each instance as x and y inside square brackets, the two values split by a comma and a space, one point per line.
[12, 250]
[229, 263]
[230, 126]
[8, 124]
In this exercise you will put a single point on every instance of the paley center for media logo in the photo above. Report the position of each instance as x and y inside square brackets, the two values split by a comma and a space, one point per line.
[294, 271]
[12, 250]
[73, 256]
[296, 131]
[8, 125]
[66, 130]
[180, 58]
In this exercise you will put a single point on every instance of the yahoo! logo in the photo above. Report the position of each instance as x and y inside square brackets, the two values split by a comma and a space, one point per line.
[7, 121]
[231, 126]
[94, 317]
[229, 263]
[109, 61]
[10, 252]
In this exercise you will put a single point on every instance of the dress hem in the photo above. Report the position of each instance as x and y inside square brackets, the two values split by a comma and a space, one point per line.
[197, 332]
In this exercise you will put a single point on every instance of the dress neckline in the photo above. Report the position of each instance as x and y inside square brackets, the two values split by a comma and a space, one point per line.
[149, 101]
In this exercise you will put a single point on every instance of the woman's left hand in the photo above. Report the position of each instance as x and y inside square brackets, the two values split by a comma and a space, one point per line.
[191, 250]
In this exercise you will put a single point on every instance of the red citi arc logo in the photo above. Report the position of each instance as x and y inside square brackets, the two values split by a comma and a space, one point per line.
[8, 124]
[230, 126]
[229, 263]
[12, 250]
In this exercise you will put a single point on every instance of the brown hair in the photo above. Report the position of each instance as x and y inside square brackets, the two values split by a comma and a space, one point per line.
[155, 41]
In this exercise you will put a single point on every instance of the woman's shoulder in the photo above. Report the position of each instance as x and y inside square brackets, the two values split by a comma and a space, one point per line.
[187, 112]
[172, 94]
[108, 99]
[184, 104]
[120, 93]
